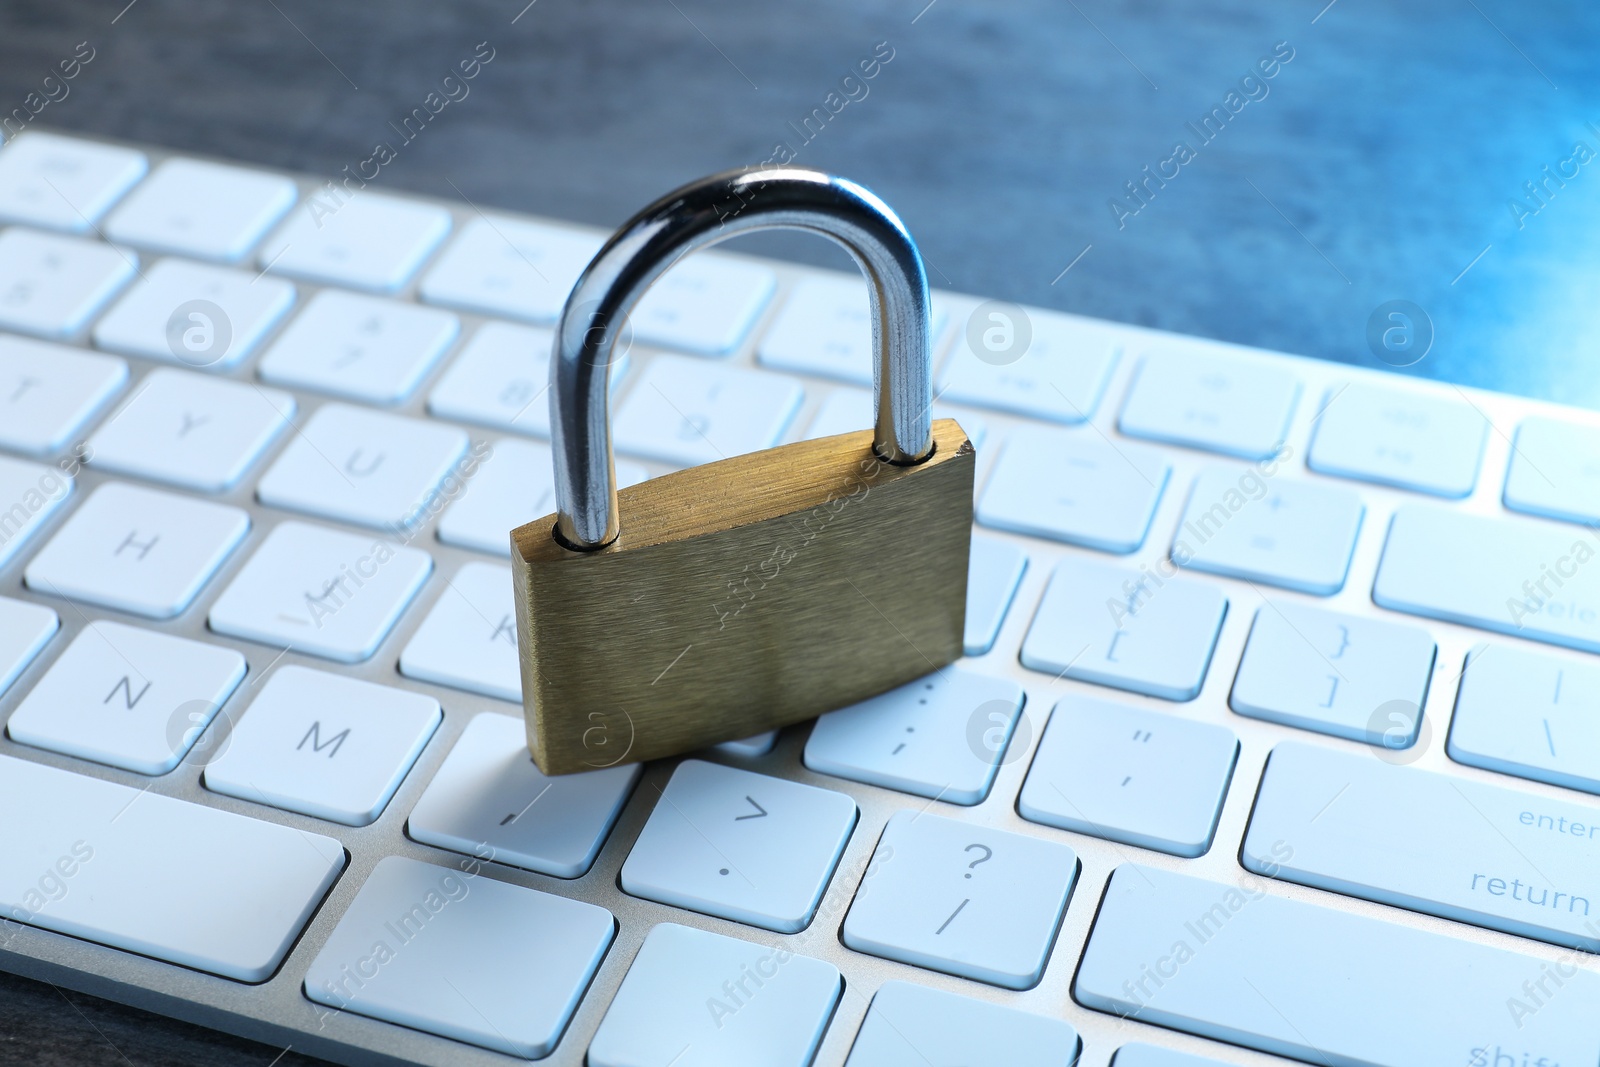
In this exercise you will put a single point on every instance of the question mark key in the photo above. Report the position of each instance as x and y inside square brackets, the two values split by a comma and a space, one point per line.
[973, 902]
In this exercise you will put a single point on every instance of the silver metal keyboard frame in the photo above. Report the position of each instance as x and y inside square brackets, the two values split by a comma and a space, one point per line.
[277, 1013]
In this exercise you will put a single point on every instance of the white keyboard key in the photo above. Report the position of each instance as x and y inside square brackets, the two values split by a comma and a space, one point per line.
[1555, 470]
[372, 735]
[705, 303]
[24, 631]
[135, 699]
[1216, 402]
[1442, 845]
[502, 379]
[1138, 1055]
[825, 327]
[1530, 714]
[512, 486]
[148, 874]
[62, 183]
[138, 550]
[1133, 630]
[50, 285]
[967, 900]
[1235, 964]
[48, 392]
[1359, 678]
[208, 210]
[469, 639]
[502, 967]
[1070, 486]
[361, 347]
[994, 570]
[740, 846]
[914, 1026]
[687, 411]
[29, 494]
[194, 314]
[1130, 775]
[364, 467]
[847, 410]
[692, 998]
[512, 267]
[1430, 442]
[191, 430]
[489, 799]
[330, 593]
[1044, 365]
[1514, 576]
[940, 737]
[1296, 534]
[367, 241]
[750, 747]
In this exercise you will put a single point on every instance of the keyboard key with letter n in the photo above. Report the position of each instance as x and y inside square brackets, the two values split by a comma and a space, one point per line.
[1463, 850]
[1293, 979]
[1514, 576]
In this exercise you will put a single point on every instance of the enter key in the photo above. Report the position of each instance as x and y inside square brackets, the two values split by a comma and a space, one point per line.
[1481, 854]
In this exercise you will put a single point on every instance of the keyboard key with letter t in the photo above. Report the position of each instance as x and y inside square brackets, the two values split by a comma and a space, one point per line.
[1129, 629]
[970, 901]
[1529, 579]
[1216, 402]
[1235, 964]
[1463, 850]
[160, 877]
[692, 998]
[1531, 714]
[48, 392]
[446, 950]
[740, 845]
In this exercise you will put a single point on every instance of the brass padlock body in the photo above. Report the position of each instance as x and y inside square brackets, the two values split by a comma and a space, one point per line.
[741, 596]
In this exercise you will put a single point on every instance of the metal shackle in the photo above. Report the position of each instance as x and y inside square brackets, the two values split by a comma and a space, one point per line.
[703, 213]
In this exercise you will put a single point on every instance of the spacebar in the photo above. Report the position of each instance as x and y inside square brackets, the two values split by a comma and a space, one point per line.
[1293, 979]
[135, 870]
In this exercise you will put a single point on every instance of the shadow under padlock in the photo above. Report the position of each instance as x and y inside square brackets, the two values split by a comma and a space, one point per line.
[743, 595]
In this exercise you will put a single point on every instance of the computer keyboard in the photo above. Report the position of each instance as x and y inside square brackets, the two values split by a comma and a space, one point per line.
[1278, 732]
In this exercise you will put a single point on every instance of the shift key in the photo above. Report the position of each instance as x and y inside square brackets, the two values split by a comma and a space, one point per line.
[1464, 850]
[1524, 577]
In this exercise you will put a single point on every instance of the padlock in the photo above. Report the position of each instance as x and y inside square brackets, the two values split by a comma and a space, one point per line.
[746, 594]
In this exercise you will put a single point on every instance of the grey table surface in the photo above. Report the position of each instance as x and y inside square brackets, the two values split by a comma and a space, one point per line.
[1385, 161]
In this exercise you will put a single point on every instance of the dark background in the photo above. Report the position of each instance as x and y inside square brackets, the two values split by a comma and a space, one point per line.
[1380, 166]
